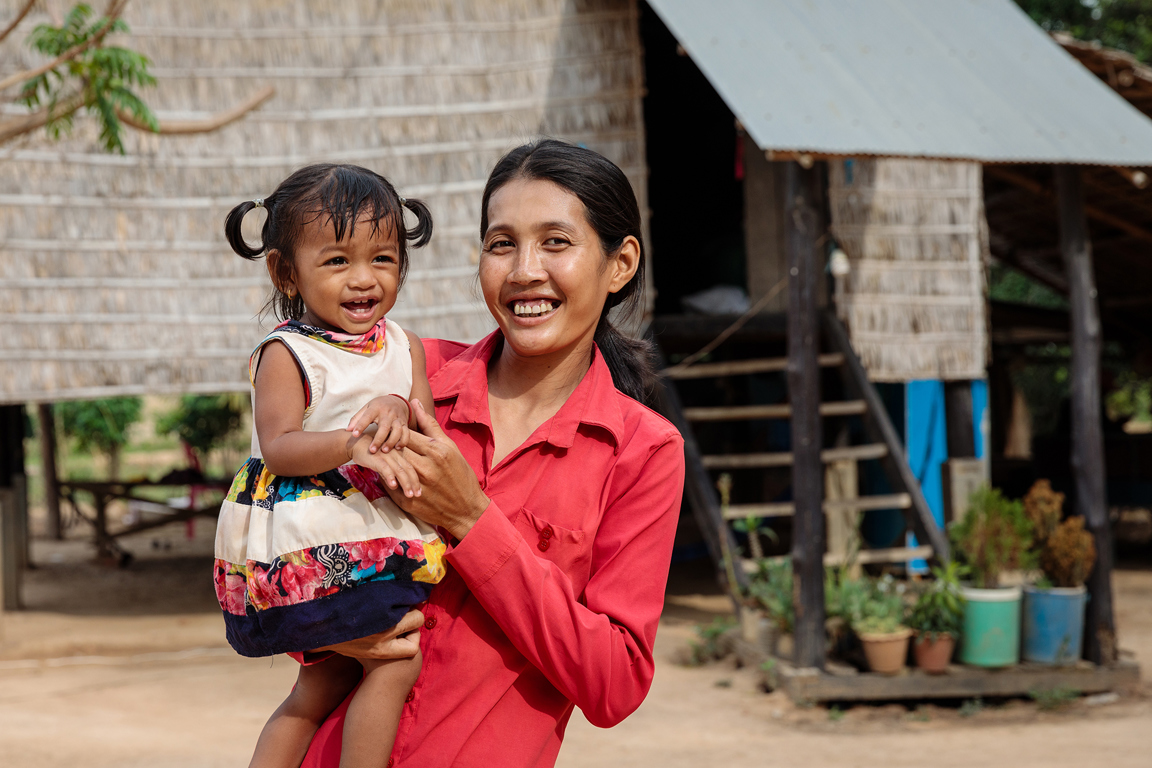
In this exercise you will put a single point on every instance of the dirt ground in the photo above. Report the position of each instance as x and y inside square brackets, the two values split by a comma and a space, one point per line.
[128, 667]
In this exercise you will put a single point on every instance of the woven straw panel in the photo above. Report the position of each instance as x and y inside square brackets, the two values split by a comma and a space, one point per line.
[914, 301]
[115, 277]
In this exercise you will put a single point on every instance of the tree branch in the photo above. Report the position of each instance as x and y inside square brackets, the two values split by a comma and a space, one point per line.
[216, 122]
[18, 126]
[16, 21]
[114, 10]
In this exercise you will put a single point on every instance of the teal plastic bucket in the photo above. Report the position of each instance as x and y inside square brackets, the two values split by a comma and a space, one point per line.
[991, 627]
[1053, 624]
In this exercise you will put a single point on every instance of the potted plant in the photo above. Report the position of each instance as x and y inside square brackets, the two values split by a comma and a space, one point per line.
[937, 618]
[1054, 608]
[879, 623]
[994, 535]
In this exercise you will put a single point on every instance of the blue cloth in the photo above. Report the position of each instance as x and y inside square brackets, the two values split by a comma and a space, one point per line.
[926, 441]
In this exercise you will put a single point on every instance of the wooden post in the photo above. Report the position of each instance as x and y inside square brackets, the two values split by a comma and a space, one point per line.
[13, 544]
[48, 471]
[804, 393]
[1087, 434]
[958, 409]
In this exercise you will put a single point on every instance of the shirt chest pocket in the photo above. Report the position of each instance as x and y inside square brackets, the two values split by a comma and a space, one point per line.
[568, 549]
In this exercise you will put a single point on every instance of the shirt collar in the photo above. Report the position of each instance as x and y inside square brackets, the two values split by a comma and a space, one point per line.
[595, 401]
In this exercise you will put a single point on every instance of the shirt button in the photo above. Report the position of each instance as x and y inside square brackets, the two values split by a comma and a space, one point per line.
[391, 762]
[411, 695]
[543, 545]
[430, 622]
[547, 532]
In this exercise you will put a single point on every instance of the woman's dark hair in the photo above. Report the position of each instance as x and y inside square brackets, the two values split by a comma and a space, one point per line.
[612, 211]
[341, 194]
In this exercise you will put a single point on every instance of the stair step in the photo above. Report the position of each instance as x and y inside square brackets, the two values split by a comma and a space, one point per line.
[744, 367]
[777, 411]
[784, 459]
[863, 557]
[787, 508]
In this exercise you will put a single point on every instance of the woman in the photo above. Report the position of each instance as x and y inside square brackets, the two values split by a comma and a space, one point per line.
[558, 491]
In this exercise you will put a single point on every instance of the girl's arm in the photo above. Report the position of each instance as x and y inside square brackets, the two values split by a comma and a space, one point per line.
[420, 388]
[279, 420]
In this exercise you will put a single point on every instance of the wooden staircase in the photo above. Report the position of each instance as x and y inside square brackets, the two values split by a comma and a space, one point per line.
[842, 505]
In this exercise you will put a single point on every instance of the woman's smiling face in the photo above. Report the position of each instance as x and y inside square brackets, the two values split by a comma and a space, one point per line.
[543, 270]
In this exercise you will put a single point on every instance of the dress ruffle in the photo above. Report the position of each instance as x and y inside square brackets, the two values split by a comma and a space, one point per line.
[324, 594]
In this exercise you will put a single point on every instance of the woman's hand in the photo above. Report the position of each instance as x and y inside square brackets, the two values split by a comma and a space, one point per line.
[393, 468]
[400, 642]
[450, 496]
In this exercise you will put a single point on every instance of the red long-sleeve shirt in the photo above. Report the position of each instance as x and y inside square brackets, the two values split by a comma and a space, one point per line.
[553, 598]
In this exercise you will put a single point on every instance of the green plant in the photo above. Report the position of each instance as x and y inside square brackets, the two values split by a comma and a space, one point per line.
[835, 714]
[1052, 699]
[993, 536]
[972, 707]
[101, 425]
[1069, 554]
[99, 78]
[203, 421]
[881, 611]
[1044, 508]
[940, 609]
[710, 634]
[770, 587]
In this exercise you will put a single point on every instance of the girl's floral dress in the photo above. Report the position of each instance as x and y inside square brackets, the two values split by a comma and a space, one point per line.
[305, 562]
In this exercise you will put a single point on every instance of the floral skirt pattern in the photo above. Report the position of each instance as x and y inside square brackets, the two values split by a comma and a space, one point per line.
[325, 594]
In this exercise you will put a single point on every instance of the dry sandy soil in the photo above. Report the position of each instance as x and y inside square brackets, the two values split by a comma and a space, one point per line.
[124, 668]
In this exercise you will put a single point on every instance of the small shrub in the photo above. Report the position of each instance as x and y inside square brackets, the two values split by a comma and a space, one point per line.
[1054, 698]
[940, 609]
[882, 609]
[1044, 508]
[1069, 554]
[770, 587]
[995, 535]
[709, 646]
[203, 421]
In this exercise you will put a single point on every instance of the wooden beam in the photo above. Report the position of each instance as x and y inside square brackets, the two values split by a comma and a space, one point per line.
[1090, 211]
[744, 367]
[776, 411]
[699, 491]
[800, 222]
[48, 474]
[1087, 432]
[920, 518]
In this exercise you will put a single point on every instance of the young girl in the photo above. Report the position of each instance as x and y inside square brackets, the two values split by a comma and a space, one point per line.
[310, 550]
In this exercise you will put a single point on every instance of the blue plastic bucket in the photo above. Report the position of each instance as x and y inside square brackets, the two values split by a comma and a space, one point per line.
[1053, 624]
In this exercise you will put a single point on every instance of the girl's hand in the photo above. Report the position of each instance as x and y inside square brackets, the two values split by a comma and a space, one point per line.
[390, 414]
[393, 467]
[451, 498]
[400, 642]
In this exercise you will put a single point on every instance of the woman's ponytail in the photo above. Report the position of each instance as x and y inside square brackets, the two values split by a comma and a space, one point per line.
[235, 234]
[631, 361]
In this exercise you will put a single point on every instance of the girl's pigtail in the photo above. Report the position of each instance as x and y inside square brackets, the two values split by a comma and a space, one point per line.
[420, 234]
[235, 234]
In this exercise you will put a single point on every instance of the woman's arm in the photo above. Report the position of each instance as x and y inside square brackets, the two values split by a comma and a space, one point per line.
[279, 420]
[595, 647]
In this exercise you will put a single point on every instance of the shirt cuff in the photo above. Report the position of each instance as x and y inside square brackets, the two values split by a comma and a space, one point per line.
[485, 548]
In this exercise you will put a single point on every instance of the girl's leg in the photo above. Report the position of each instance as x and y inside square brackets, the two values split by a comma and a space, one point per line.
[374, 714]
[319, 689]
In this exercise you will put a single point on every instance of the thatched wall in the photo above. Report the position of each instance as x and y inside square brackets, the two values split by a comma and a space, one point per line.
[114, 274]
[914, 301]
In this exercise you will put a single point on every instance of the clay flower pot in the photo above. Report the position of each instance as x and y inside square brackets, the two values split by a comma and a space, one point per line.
[886, 652]
[933, 652]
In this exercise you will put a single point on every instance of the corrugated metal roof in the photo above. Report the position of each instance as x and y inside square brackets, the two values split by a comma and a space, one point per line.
[965, 79]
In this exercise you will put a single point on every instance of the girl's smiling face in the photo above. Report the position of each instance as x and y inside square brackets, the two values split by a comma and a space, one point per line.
[347, 285]
[543, 270]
